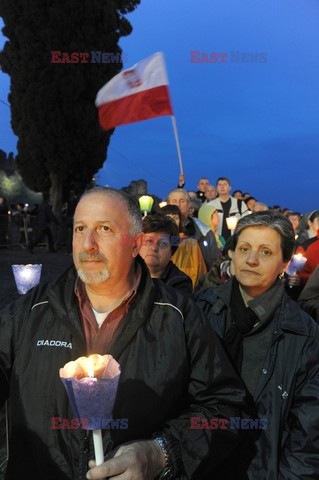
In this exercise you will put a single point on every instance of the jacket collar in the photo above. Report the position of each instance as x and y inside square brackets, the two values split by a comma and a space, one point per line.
[290, 317]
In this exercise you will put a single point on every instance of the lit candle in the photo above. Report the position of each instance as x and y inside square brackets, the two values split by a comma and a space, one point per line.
[296, 264]
[97, 434]
[146, 203]
[91, 384]
[231, 222]
[26, 276]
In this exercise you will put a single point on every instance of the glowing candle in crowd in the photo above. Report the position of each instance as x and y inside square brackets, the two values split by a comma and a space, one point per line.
[232, 222]
[146, 203]
[26, 276]
[296, 264]
[91, 384]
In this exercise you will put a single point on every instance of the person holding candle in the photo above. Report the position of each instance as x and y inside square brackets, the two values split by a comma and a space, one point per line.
[227, 206]
[273, 345]
[173, 366]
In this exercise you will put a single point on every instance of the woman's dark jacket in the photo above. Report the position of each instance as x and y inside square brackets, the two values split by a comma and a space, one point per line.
[287, 390]
[175, 278]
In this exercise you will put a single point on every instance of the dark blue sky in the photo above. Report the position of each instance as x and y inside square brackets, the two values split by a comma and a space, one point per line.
[256, 123]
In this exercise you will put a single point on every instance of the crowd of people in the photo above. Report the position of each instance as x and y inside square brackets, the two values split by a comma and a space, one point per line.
[196, 301]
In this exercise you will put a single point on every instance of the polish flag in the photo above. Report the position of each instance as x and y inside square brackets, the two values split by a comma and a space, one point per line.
[138, 93]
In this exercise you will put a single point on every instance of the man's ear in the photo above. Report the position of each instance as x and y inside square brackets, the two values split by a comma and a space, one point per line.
[137, 243]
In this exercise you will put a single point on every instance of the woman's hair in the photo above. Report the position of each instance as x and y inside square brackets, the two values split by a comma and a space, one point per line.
[159, 223]
[274, 220]
[171, 210]
[313, 215]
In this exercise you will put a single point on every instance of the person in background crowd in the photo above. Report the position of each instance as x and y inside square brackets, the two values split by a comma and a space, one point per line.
[210, 193]
[209, 215]
[309, 297]
[193, 227]
[3, 220]
[221, 271]
[3, 206]
[294, 218]
[310, 235]
[246, 195]
[259, 207]
[274, 346]
[194, 206]
[44, 218]
[238, 194]
[173, 366]
[159, 242]
[202, 185]
[312, 256]
[17, 225]
[250, 202]
[227, 206]
[188, 257]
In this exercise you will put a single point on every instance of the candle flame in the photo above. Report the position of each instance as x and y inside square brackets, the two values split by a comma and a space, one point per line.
[90, 367]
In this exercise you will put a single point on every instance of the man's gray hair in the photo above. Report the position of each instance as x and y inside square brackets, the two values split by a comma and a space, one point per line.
[179, 190]
[270, 219]
[133, 208]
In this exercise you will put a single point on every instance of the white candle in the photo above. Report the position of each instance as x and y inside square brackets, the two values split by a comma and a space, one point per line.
[97, 434]
[232, 222]
[98, 446]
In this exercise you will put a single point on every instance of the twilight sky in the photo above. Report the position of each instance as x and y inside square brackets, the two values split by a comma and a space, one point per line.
[254, 122]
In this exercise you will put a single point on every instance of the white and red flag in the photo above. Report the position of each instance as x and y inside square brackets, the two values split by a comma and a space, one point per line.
[138, 93]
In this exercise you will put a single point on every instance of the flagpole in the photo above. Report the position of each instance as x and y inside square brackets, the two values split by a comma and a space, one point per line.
[177, 143]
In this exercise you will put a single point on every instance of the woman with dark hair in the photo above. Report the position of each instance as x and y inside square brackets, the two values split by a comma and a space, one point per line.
[310, 234]
[273, 344]
[159, 242]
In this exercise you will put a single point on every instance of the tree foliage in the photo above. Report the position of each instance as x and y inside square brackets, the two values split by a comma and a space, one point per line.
[52, 104]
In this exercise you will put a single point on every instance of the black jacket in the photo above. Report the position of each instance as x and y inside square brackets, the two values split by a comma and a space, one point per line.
[287, 391]
[206, 240]
[175, 278]
[173, 368]
[309, 297]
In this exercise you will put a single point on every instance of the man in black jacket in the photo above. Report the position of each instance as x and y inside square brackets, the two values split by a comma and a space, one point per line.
[173, 367]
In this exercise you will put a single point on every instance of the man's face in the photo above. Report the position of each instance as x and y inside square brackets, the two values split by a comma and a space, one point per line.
[223, 187]
[203, 184]
[101, 250]
[210, 192]
[294, 219]
[238, 195]
[179, 199]
[156, 251]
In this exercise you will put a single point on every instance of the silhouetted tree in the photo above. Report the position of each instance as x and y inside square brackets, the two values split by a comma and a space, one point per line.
[7, 163]
[60, 143]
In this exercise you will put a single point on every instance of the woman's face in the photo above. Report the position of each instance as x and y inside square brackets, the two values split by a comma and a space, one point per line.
[257, 259]
[314, 226]
[215, 219]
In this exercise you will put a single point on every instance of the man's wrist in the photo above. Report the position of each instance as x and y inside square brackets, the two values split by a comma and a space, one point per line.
[167, 472]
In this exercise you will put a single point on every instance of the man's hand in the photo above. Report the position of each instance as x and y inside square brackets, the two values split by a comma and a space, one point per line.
[181, 179]
[132, 461]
